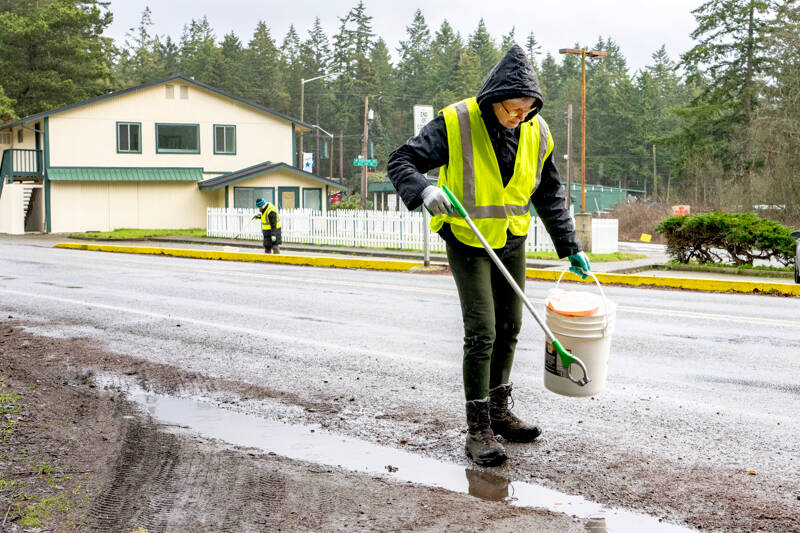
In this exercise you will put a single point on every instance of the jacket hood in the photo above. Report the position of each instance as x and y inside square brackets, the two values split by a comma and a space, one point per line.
[512, 77]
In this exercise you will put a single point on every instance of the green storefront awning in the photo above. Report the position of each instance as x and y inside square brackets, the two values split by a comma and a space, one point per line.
[124, 174]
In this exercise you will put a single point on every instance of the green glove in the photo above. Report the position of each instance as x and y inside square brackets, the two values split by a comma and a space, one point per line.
[579, 264]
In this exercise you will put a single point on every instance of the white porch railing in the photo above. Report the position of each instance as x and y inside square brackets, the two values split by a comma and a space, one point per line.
[401, 230]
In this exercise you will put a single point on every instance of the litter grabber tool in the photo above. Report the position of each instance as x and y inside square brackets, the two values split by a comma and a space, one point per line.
[567, 359]
[244, 229]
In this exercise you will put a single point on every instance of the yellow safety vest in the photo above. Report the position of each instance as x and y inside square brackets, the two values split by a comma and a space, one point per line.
[265, 217]
[492, 207]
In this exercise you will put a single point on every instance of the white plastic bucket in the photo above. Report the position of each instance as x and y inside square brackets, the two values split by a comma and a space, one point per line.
[587, 337]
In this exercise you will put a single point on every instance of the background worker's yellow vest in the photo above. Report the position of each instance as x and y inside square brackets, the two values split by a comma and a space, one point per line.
[472, 173]
[265, 217]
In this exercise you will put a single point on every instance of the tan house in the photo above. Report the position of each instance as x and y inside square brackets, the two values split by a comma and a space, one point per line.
[152, 156]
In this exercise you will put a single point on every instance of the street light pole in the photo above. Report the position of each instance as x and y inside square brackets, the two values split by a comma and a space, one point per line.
[583, 53]
[302, 109]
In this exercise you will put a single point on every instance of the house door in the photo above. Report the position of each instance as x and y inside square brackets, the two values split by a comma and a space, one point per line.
[288, 197]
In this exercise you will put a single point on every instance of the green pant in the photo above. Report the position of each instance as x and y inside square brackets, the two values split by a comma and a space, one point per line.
[492, 314]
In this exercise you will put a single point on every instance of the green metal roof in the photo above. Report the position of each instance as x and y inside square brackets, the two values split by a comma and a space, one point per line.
[124, 174]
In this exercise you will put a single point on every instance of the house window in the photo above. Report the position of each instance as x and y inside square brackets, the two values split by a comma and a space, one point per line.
[245, 197]
[169, 91]
[129, 137]
[184, 92]
[224, 139]
[178, 138]
[19, 135]
[312, 199]
[5, 137]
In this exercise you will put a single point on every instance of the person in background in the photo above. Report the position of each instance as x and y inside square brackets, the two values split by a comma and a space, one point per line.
[495, 154]
[270, 226]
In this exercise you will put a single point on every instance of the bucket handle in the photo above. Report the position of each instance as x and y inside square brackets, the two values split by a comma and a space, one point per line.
[602, 295]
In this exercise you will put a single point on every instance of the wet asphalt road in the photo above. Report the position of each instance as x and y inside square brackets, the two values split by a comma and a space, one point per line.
[701, 384]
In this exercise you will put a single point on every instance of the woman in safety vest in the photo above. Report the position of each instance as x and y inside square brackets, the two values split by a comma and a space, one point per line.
[270, 226]
[495, 154]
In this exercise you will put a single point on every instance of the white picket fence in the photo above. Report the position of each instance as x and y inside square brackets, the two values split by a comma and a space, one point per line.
[401, 230]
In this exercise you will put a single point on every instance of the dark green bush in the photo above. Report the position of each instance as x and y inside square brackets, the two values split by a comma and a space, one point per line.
[742, 237]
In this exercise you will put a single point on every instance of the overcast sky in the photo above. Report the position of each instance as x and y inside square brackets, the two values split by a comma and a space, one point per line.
[639, 27]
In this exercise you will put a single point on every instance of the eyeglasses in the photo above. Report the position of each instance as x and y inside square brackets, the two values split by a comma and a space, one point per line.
[515, 114]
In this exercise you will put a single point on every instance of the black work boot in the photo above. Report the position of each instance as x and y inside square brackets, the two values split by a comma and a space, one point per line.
[276, 249]
[481, 446]
[506, 423]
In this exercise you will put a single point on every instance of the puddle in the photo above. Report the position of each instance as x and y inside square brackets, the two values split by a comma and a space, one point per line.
[312, 444]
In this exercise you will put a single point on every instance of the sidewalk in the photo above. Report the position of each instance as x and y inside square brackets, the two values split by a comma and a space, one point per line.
[639, 272]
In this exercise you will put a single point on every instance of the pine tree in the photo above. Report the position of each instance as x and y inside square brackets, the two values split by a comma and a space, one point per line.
[54, 54]
[231, 67]
[534, 50]
[138, 59]
[266, 83]
[447, 48]
[482, 46]
[292, 68]
[508, 40]
[413, 69]
[199, 55]
[6, 107]
[731, 62]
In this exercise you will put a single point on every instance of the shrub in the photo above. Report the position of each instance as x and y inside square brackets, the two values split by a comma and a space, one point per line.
[743, 237]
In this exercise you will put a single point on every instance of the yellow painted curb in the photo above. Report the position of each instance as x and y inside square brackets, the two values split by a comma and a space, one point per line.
[696, 284]
[339, 262]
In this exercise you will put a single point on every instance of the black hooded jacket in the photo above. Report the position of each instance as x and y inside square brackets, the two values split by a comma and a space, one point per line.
[512, 77]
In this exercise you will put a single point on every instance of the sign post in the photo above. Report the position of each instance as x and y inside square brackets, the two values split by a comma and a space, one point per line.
[422, 115]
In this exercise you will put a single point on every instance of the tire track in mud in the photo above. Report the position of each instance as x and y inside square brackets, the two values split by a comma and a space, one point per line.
[144, 467]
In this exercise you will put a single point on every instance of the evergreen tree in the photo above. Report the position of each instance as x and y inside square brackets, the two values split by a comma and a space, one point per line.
[509, 40]
[292, 68]
[139, 60]
[7, 113]
[447, 48]
[52, 52]
[351, 57]
[482, 46]
[534, 50]
[469, 75]
[386, 130]
[265, 78]
[231, 66]
[199, 55]
[731, 62]
[413, 70]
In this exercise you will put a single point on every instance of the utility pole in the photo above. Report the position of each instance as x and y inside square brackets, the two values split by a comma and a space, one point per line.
[341, 156]
[655, 183]
[569, 154]
[583, 53]
[316, 154]
[364, 152]
[364, 155]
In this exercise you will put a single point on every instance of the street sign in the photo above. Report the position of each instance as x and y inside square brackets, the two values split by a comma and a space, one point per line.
[422, 115]
[360, 162]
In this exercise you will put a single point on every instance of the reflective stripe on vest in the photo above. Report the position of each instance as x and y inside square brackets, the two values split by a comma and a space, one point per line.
[265, 217]
[509, 215]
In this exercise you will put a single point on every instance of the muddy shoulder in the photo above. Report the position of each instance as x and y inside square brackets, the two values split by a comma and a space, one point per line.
[78, 457]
